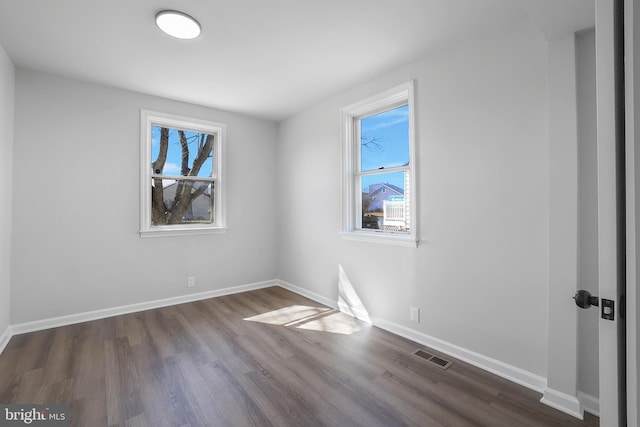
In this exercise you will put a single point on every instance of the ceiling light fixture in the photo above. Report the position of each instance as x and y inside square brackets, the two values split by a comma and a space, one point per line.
[178, 24]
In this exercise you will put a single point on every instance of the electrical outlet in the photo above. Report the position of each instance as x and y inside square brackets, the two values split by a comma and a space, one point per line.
[191, 282]
[414, 314]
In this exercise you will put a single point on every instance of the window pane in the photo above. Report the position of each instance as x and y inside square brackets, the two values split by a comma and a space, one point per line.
[384, 204]
[186, 152]
[384, 139]
[181, 202]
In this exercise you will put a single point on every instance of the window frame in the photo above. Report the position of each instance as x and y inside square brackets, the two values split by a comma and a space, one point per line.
[351, 151]
[148, 119]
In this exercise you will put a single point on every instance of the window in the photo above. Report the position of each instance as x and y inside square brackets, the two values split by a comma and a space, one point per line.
[379, 168]
[182, 181]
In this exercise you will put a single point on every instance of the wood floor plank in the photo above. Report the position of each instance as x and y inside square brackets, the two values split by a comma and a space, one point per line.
[35, 351]
[267, 357]
[89, 363]
[440, 412]
[341, 396]
[186, 412]
[281, 373]
[232, 396]
[29, 381]
[156, 323]
[288, 406]
[123, 398]
[9, 376]
[90, 410]
[55, 393]
[60, 359]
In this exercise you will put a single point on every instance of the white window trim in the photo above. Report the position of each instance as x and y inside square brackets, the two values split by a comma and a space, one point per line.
[147, 120]
[350, 153]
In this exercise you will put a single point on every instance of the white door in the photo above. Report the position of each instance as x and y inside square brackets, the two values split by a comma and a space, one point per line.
[611, 232]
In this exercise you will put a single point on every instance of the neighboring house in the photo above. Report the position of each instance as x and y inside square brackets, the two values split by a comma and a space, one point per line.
[389, 200]
[199, 210]
[378, 193]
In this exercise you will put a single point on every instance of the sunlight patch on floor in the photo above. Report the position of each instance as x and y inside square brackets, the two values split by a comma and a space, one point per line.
[337, 323]
[310, 318]
[288, 315]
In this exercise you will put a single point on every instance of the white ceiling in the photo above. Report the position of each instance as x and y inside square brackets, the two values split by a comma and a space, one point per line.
[266, 58]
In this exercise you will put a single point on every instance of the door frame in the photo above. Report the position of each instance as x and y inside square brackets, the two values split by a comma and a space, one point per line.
[612, 209]
[632, 180]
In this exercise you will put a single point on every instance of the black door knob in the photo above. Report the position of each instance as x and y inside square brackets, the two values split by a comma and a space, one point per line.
[584, 299]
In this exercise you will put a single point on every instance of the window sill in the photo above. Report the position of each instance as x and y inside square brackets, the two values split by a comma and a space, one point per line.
[175, 232]
[380, 238]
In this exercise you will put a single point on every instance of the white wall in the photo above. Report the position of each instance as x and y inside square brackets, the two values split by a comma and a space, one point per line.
[7, 84]
[480, 274]
[76, 208]
[587, 210]
[562, 341]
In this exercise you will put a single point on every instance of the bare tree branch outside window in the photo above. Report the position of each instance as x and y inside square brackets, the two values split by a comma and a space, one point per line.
[166, 212]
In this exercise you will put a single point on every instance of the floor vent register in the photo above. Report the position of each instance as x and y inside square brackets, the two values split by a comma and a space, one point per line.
[438, 361]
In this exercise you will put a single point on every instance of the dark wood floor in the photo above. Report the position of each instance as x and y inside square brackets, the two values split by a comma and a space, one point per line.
[260, 358]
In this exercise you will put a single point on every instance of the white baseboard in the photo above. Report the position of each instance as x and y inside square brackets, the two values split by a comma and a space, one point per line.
[590, 404]
[563, 402]
[354, 312]
[305, 293]
[55, 322]
[497, 367]
[4, 338]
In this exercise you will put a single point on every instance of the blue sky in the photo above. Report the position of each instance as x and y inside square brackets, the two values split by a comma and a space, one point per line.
[390, 131]
[174, 154]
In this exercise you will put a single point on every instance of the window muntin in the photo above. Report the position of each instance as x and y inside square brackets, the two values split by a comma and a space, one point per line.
[182, 184]
[378, 168]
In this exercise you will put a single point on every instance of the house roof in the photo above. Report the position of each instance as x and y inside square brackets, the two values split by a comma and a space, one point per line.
[378, 201]
[392, 187]
[170, 191]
